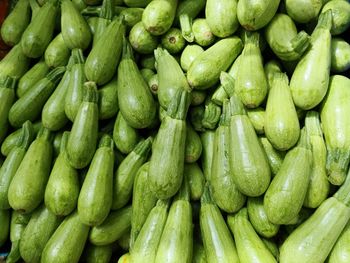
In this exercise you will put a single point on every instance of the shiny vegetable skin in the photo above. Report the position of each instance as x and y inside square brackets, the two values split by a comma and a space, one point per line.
[336, 128]
[217, 239]
[309, 82]
[75, 30]
[38, 35]
[135, 100]
[250, 247]
[340, 15]
[27, 187]
[15, 23]
[193, 145]
[57, 53]
[101, 63]
[7, 96]
[167, 163]
[274, 157]
[340, 252]
[303, 11]
[82, 141]
[340, 55]
[194, 175]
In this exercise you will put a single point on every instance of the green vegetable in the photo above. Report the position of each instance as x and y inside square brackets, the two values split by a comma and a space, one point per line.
[211, 114]
[270, 68]
[274, 157]
[7, 96]
[27, 187]
[82, 140]
[340, 55]
[57, 53]
[199, 255]
[194, 175]
[303, 11]
[136, 3]
[340, 252]
[203, 36]
[153, 84]
[189, 54]
[257, 118]
[131, 15]
[340, 15]
[97, 254]
[15, 23]
[309, 82]
[222, 17]
[141, 40]
[67, 242]
[39, 32]
[198, 97]
[5, 225]
[135, 100]
[173, 40]
[108, 100]
[148, 61]
[62, 189]
[250, 247]
[193, 145]
[208, 145]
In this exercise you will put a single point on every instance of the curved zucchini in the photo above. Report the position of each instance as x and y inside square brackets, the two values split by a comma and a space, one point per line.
[274, 157]
[202, 33]
[340, 252]
[303, 11]
[141, 40]
[108, 100]
[340, 15]
[340, 55]
[207, 139]
[57, 53]
[7, 96]
[257, 118]
[193, 145]
[194, 175]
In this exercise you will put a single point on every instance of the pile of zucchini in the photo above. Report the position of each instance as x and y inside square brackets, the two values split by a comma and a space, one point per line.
[175, 131]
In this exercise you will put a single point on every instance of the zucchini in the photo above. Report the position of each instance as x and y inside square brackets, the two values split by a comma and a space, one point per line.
[167, 163]
[202, 33]
[62, 189]
[15, 23]
[141, 40]
[30, 105]
[97, 254]
[303, 11]
[308, 90]
[104, 18]
[286, 193]
[217, 239]
[41, 226]
[257, 118]
[193, 145]
[108, 100]
[148, 61]
[136, 3]
[75, 30]
[195, 178]
[271, 67]
[176, 242]
[113, 227]
[223, 188]
[319, 186]
[248, 161]
[27, 187]
[199, 255]
[147, 242]
[37, 36]
[5, 215]
[13, 161]
[250, 247]
[211, 115]
[173, 40]
[205, 70]
[340, 15]
[101, 63]
[131, 15]
[82, 140]
[274, 157]
[340, 55]
[340, 252]
[135, 100]
[207, 138]
[189, 54]
[171, 78]
[67, 242]
[57, 53]
[143, 200]
[125, 174]
[336, 128]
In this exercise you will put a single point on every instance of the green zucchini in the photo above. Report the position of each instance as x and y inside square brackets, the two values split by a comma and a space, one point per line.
[176, 242]
[41, 226]
[207, 138]
[108, 100]
[124, 241]
[82, 140]
[211, 115]
[336, 128]
[199, 255]
[223, 188]
[340, 55]
[141, 40]
[193, 145]
[248, 161]
[222, 17]
[290, 45]
[57, 53]
[125, 137]
[96, 194]
[147, 242]
[114, 226]
[303, 11]
[143, 200]
[30, 105]
[202, 33]
[7, 96]
[308, 90]
[137, 3]
[272, 246]
[5, 215]
[198, 97]
[27, 187]
[17, 226]
[313, 240]
[271, 67]
[319, 187]
[37, 36]
[205, 69]
[97, 254]
[281, 120]
[57, 139]
[167, 163]
[153, 84]
[147, 74]
[250, 247]
[340, 15]
[101, 63]
[188, 55]
[135, 100]
[32, 76]
[75, 89]
[171, 78]
[15, 23]
[194, 175]
[251, 85]
[217, 239]
[258, 218]
[286, 193]
[67, 242]
[340, 252]
[75, 30]
[173, 40]
[125, 174]
[253, 15]
[274, 157]
[257, 118]
[159, 15]
[62, 189]
[148, 61]
[131, 15]
[12, 162]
